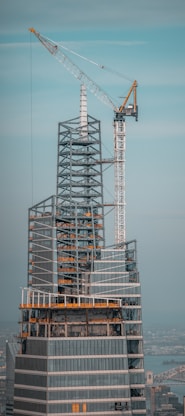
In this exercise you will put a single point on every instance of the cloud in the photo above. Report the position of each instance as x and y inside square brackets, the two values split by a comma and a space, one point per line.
[156, 129]
[101, 42]
[161, 215]
[62, 15]
[72, 45]
[10, 44]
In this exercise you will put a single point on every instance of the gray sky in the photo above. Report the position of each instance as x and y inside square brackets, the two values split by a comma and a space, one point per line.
[142, 40]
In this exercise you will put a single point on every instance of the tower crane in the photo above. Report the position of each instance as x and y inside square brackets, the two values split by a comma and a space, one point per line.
[120, 113]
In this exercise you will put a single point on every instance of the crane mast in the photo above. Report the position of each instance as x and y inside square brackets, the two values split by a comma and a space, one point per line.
[119, 180]
[119, 128]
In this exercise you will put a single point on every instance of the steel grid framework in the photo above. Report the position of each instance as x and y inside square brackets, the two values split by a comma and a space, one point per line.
[80, 208]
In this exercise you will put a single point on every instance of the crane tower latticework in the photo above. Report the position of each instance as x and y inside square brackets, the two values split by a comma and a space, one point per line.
[119, 127]
[119, 180]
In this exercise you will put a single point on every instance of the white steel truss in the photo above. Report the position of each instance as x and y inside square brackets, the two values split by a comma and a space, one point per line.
[119, 178]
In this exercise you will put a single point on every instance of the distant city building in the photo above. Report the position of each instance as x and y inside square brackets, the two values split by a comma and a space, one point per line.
[166, 410]
[161, 401]
[2, 395]
[149, 378]
[2, 377]
[11, 351]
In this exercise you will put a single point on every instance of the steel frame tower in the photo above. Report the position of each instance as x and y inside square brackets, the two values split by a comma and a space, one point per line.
[81, 348]
[80, 208]
[81, 342]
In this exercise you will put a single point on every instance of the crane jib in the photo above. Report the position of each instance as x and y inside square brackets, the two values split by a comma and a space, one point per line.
[55, 50]
[126, 109]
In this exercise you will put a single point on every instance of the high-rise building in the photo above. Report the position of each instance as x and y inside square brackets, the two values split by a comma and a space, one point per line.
[81, 324]
[11, 351]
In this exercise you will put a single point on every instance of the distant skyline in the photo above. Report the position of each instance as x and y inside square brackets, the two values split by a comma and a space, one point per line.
[141, 40]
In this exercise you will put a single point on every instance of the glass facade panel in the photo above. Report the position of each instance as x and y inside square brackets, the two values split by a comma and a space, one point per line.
[73, 380]
[87, 364]
[137, 378]
[37, 347]
[30, 406]
[92, 346]
[30, 379]
[90, 394]
[27, 363]
[92, 407]
[33, 394]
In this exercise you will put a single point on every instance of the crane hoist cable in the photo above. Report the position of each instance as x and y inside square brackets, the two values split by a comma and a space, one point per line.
[31, 119]
[55, 49]
[100, 66]
[120, 113]
[80, 56]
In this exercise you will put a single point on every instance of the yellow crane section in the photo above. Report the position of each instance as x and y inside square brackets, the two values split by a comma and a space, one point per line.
[132, 89]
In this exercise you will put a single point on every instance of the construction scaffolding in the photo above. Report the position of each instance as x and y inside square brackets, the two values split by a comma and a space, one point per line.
[80, 208]
[81, 342]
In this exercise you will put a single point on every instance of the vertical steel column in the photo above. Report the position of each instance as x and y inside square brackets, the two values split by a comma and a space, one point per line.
[119, 178]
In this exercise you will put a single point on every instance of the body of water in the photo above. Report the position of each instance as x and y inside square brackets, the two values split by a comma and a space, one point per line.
[155, 363]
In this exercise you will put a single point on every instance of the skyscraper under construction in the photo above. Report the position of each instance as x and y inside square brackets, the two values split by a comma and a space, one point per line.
[81, 343]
